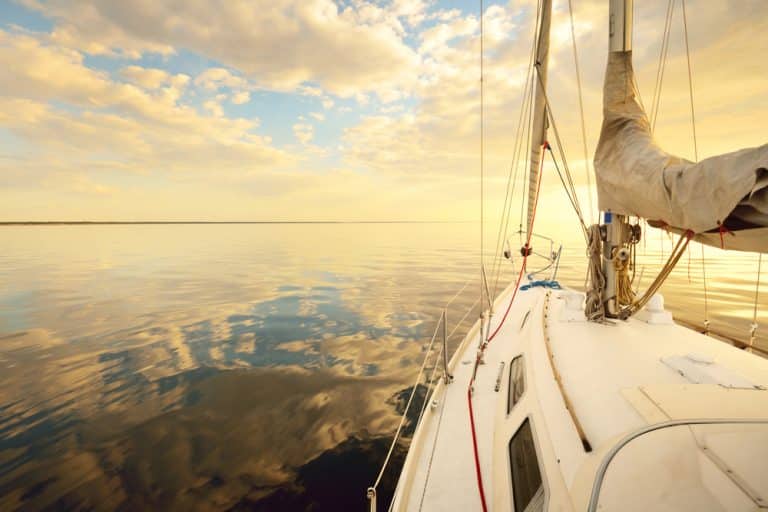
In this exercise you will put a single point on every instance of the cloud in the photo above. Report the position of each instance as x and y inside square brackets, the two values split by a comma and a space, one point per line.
[343, 50]
[240, 98]
[86, 121]
[304, 132]
[408, 70]
[213, 79]
[153, 78]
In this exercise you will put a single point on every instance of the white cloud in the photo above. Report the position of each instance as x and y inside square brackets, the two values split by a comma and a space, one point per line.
[304, 132]
[110, 126]
[317, 115]
[240, 98]
[213, 79]
[214, 107]
[148, 78]
[306, 90]
[281, 47]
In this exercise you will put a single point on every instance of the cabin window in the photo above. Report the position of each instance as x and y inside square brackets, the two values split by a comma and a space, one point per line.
[516, 382]
[527, 489]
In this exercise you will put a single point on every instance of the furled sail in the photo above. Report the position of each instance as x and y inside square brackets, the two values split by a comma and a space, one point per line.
[722, 199]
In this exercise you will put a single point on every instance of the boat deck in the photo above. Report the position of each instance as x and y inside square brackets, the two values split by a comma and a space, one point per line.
[617, 378]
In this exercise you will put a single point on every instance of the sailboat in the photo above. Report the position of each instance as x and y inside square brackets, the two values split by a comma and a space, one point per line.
[559, 399]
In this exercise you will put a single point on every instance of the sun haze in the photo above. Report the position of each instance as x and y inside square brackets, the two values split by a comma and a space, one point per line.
[315, 110]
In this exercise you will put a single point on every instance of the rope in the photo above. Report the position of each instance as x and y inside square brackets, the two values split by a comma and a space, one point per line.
[478, 471]
[674, 257]
[593, 307]
[482, 275]
[753, 328]
[525, 254]
[581, 112]
[624, 293]
[690, 84]
[544, 283]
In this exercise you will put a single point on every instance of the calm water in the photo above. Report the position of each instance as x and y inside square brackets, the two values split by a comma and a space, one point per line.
[255, 367]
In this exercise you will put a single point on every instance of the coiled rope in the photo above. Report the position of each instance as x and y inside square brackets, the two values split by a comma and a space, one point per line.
[593, 307]
[674, 257]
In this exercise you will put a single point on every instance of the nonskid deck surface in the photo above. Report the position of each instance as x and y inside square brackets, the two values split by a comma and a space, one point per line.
[618, 378]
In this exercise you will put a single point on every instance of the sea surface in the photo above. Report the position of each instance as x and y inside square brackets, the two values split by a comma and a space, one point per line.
[251, 366]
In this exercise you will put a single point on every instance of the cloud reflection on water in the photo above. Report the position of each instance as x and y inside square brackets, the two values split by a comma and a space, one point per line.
[226, 366]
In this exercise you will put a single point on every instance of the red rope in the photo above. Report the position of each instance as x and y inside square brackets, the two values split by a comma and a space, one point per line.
[478, 472]
[722, 229]
[526, 252]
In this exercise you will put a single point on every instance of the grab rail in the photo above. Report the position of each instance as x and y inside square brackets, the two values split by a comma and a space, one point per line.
[597, 485]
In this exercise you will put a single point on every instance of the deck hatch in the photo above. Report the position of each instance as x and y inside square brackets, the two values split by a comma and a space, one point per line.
[699, 370]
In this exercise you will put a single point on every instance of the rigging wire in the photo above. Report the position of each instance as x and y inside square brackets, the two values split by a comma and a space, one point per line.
[561, 150]
[529, 233]
[706, 299]
[662, 61]
[481, 350]
[753, 327]
[690, 83]
[587, 169]
[573, 200]
[478, 472]
[521, 134]
[482, 158]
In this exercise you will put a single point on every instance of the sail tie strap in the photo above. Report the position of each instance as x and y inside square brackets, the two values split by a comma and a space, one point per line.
[722, 229]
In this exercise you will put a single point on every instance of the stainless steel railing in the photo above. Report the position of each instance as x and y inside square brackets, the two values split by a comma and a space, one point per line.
[441, 330]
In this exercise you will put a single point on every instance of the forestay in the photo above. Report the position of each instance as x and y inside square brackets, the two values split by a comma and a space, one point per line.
[722, 199]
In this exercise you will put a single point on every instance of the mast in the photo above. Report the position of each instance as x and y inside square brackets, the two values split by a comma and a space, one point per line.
[539, 128]
[620, 26]
[616, 232]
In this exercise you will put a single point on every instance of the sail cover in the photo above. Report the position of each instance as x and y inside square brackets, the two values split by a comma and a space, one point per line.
[722, 199]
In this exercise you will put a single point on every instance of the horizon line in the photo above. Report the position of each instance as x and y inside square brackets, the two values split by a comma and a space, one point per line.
[123, 222]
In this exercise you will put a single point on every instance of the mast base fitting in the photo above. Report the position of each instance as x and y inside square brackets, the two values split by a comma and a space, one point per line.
[526, 250]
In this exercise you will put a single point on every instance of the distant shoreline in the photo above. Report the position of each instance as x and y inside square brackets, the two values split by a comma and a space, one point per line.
[131, 222]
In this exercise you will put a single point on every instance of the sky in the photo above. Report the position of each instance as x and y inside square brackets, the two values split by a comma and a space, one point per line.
[321, 110]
